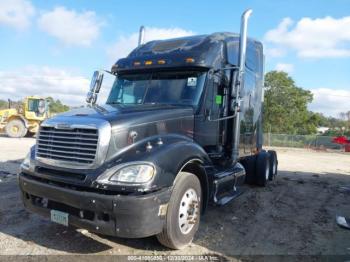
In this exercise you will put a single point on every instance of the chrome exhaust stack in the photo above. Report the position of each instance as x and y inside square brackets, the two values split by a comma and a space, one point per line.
[240, 79]
[141, 35]
[243, 42]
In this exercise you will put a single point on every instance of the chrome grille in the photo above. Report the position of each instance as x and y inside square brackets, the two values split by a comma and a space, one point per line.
[78, 145]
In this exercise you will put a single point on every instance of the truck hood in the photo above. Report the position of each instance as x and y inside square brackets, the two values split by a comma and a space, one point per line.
[121, 117]
[120, 128]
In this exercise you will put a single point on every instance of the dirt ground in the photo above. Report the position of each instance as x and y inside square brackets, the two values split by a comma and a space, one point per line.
[294, 215]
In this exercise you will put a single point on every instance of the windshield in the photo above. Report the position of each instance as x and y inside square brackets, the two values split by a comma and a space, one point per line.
[175, 88]
[36, 105]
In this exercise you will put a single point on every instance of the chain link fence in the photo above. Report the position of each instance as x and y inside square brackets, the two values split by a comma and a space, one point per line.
[301, 141]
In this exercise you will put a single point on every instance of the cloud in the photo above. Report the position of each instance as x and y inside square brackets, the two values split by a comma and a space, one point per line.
[44, 81]
[125, 44]
[314, 38]
[330, 102]
[288, 68]
[274, 52]
[70, 27]
[16, 13]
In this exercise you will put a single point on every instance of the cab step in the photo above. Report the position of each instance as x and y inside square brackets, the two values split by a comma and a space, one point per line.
[223, 200]
[227, 184]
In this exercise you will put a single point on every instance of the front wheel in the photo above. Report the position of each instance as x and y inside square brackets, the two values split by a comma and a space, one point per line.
[16, 128]
[183, 213]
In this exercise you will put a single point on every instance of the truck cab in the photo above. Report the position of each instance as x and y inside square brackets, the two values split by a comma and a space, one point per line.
[181, 128]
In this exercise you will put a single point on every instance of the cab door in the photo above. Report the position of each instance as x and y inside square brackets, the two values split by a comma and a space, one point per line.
[207, 132]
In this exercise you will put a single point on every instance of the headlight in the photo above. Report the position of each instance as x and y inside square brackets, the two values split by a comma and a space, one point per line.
[26, 162]
[140, 173]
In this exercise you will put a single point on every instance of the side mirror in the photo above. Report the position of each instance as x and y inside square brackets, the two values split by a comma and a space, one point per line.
[93, 81]
[207, 113]
[95, 86]
[96, 82]
[217, 77]
[99, 83]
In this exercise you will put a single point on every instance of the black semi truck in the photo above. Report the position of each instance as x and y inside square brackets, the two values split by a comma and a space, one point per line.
[181, 130]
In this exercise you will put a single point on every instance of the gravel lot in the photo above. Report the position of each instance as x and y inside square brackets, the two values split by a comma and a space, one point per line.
[293, 215]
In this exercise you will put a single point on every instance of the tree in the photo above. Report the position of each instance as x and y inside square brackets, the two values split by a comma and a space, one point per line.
[285, 106]
[3, 104]
[341, 126]
[56, 106]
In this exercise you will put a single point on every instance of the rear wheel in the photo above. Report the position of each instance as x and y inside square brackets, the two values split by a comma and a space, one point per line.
[249, 166]
[183, 214]
[273, 164]
[16, 128]
[262, 168]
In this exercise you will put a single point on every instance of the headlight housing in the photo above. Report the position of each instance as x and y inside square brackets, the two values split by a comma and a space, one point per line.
[135, 174]
[26, 162]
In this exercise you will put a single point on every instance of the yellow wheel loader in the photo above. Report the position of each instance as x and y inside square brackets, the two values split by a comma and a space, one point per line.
[26, 118]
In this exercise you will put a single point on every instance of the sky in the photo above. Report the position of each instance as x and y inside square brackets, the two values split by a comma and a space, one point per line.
[51, 48]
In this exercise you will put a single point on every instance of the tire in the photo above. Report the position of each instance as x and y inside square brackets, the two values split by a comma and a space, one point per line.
[249, 166]
[273, 164]
[174, 235]
[16, 128]
[262, 168]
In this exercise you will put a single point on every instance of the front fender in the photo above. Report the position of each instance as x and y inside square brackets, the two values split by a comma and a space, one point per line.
[168, 157]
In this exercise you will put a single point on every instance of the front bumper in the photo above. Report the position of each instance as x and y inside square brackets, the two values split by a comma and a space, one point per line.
[129, 216]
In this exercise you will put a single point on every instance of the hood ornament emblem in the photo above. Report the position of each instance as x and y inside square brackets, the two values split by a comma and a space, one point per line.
[63, 126]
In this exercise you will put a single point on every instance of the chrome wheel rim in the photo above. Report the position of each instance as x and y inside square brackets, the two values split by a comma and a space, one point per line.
[188, 211]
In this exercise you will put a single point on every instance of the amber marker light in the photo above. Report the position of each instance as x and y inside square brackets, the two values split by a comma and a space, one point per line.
[189, 60]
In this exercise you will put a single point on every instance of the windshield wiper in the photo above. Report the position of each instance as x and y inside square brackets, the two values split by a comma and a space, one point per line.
[114, 103]
[168, 104]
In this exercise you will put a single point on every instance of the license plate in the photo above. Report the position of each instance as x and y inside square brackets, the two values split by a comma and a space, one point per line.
[59, 217]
